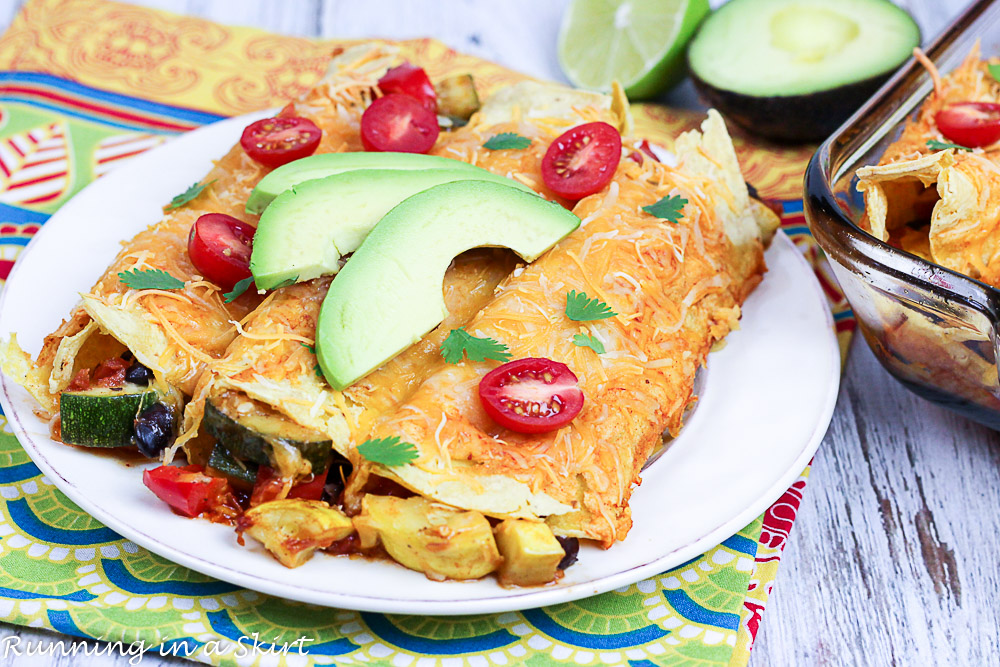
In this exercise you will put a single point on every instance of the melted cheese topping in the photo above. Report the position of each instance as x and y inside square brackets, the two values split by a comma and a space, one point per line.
[183, 331]
[676, 292]
[957, 192]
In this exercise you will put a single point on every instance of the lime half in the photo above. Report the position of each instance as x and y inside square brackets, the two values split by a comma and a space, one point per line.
[639, 43]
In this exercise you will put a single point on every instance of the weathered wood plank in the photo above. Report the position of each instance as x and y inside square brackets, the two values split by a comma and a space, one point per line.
[893, 559]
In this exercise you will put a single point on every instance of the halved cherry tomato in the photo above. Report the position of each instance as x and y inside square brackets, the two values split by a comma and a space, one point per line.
[277, 141]
[398, 123]
[582, 160]
[532, 395]
[220, 247]
[187, 489]
[410, 80]
[972, 124]
[269, 484]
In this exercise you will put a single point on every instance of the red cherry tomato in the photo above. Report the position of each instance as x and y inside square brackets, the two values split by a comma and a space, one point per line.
[531, 395]
[398, 123]
[410, 80]
[220, 246]
[582, 161]
[269, 484]
[277, 141]
[972, 124]
[188, 490]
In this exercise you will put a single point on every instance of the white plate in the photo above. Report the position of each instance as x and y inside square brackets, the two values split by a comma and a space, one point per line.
[768, 400]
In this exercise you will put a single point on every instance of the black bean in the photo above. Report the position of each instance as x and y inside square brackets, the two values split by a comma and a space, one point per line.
[334, 487]
[127, 355]
[138, 374]
[155, 429]
[571, 546]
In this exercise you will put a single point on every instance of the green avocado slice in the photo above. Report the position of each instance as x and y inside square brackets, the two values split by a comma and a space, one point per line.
[328, 164]
[389, 294]
[308, 228]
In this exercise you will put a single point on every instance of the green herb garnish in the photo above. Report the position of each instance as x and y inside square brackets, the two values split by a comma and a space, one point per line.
[186, 196]
[461, 343]
[388, 451]
[287, 282]
[507, 141]
[238, 289]
[936, 145]
[588, 340]
[994, 71]
[581, 308]
[668, 208]
[149, 279]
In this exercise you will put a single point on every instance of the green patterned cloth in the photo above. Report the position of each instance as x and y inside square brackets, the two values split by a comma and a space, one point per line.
[61, 569]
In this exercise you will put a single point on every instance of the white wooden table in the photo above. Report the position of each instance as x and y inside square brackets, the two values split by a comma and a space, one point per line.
[893, 559]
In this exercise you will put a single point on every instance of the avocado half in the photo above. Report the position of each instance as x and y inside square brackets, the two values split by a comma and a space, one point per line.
[795, 70]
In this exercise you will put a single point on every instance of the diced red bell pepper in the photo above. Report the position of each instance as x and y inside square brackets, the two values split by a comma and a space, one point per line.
[111, 372]
[269, 485]
[187, 489]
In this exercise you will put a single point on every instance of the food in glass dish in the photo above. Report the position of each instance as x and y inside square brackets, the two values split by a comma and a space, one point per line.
[275, 330]
[936, 190]
[936, 194]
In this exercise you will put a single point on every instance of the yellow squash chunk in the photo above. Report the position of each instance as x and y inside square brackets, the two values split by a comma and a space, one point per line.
[292, 529]
[440, 541]
[531, 553]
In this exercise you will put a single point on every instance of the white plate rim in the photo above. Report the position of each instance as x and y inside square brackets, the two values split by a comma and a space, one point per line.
[511, 599]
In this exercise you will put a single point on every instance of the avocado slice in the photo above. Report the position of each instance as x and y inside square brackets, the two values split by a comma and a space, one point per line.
[328, 164]
[795, 71]
[309, 227]
[389, 294]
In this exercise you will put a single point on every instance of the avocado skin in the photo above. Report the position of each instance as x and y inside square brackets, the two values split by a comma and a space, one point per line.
[808, 118]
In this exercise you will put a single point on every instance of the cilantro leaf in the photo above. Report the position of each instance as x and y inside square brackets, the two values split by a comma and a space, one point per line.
[581, 308]
[318, 371]
[238, 289]
[388, 451]
[461, 343]
[287, 282]
[183, 198]
[507, 141]
[311, 348]
[588, 340]
[150, 279]
[994, 71]
[936, 145]
[668, 208]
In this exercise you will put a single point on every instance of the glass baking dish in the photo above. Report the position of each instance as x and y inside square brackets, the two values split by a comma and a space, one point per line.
[934, 330]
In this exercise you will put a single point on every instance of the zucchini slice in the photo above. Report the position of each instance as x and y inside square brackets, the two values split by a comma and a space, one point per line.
[241, 475]
[268, 439]
[102, 416]
[457, 97]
